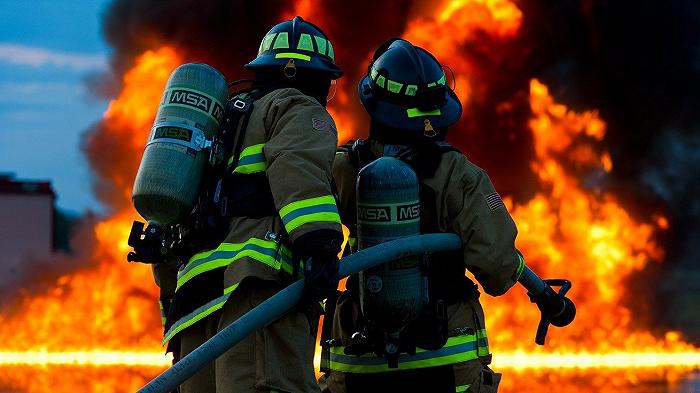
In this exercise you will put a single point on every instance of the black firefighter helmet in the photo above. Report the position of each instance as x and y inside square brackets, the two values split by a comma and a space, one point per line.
[405, 89]
[297, 43]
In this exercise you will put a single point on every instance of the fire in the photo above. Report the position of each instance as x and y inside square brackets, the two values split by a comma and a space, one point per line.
[111, 305]
[569, 231]
[107, 315]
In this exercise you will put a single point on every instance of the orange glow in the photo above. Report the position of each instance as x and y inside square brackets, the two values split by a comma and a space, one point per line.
[107, 314]
[567, 231]
[111, 305]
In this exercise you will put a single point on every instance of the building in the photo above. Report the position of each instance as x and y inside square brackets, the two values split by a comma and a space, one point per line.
[26, 225]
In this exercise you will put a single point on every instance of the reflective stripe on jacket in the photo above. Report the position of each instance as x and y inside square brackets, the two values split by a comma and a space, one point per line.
[291, 141]
[457, 349]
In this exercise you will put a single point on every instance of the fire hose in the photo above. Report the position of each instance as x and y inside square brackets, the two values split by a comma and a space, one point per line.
[286, 299]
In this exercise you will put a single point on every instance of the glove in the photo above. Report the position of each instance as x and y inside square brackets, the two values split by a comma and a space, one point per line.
[320, 279]
[318, 249]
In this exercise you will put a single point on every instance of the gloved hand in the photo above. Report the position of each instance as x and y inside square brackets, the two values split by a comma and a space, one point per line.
[320, 279]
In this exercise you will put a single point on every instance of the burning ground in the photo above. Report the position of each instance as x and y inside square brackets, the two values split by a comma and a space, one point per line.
[565, 104]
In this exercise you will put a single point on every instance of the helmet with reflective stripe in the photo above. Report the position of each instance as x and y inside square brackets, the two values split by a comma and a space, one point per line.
[300, 43]
[405, 89]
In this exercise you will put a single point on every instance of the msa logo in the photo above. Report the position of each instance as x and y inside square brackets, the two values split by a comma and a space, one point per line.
[374, 213]
[173, 133]
[218, 112]
[191, 99]
[408, 212]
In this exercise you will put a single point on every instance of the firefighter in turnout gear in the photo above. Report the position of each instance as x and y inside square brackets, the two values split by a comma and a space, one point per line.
[411, 106]
[269, 218]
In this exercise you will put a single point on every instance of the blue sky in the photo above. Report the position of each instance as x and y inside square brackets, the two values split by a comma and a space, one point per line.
[47, 49]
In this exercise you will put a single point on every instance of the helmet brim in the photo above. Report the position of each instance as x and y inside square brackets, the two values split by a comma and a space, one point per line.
[396, 116]
[317, 64]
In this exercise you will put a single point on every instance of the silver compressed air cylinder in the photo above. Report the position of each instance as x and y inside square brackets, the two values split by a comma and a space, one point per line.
[190, 113]
[388, 208]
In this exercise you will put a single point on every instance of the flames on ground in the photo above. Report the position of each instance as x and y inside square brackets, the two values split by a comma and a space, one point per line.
[571, 227]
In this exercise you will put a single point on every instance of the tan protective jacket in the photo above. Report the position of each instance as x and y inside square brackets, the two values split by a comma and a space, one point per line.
[468, 205]
[291, 139]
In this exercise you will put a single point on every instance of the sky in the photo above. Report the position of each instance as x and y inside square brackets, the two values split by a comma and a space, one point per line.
[47, 50]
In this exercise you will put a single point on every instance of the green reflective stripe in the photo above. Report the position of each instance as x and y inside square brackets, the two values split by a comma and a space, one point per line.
[305, 42]
[462, 388]
[321, 44]
[432, 84]
[442, 80]
[330, 51]
[194, 317]
[251, 168]
[267, 42]
[352, 241]
[373, 73]
[318, 209]
[253, 149]
[411, 90]
[322, 200]
[162, 312]
[292, 55]
[394, 87]
[310, 218]
[521, 265]
[415, 112]
[252, 160]
[381, 81]
[457, 349]
[282, 41]
[265, 251]
[483, 343]
[230, 289]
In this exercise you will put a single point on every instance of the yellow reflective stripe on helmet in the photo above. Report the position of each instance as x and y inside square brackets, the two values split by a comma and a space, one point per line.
[282, 41]
[411, 90]
[462, 388]
[194, 317]
[373, 73]
[457, 349]
[305, 42]
[321, 44]
[330, 51]
[267, 42]
[318, 209]
[292, 55]
[415, 112]
[394, 87]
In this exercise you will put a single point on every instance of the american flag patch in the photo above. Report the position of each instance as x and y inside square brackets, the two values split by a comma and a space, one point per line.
[494, 201]
[322, 125]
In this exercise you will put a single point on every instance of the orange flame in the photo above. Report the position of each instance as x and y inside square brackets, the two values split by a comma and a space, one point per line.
[111, 305]
[107, 315]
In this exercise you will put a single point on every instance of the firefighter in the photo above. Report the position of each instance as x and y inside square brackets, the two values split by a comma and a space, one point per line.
[410, 107]
[280, 222]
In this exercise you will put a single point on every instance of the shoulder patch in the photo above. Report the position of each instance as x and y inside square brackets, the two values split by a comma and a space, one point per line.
[322, 125]
[494, 201]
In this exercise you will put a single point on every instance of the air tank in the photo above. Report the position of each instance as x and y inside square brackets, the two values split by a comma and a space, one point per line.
[190, 113]
[388, 208]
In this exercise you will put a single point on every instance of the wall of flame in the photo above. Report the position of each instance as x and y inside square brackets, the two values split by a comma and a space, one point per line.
[569, 227]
